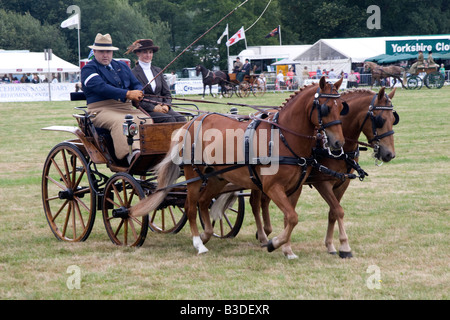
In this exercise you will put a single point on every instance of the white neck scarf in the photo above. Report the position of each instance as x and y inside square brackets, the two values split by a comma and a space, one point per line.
[148, 73]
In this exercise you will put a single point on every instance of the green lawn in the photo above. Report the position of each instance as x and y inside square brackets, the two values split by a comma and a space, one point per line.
[397, 221]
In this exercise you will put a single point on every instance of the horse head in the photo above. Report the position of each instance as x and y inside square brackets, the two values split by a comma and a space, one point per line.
[329, 107]
[379, 130]
[198, 70]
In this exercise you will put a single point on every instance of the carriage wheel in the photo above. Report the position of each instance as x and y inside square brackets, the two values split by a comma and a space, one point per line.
[244, 89]
[121, 192]
[434, 80]
[228, 92]
[170, 217]
[258, 89]
[68, 193]
[414, 82]
[231, 222]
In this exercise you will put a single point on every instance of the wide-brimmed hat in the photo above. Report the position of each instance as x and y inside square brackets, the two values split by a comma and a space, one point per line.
[103, 42]
[142, 44]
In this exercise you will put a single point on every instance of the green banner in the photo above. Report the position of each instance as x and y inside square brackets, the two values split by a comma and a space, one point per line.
[414, 46]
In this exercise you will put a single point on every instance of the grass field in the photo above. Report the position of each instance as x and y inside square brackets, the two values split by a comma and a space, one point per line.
[397, 221]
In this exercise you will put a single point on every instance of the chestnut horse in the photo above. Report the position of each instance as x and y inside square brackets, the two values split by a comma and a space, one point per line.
[316, 106]
[369, 113]
[383, 72]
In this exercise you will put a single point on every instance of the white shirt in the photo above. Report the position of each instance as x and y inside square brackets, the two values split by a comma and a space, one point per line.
[148, 73]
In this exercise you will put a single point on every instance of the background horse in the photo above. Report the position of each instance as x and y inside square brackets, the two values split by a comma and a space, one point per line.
[379, 72]
[313, 107]
[211, 78]
[376, 123]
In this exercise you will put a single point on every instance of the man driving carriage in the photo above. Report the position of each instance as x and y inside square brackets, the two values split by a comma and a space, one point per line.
[420, 63]
[109, 85]
[245, 70]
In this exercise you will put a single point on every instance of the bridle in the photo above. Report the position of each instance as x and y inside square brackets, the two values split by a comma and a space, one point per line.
[323, 110]
[378, 122]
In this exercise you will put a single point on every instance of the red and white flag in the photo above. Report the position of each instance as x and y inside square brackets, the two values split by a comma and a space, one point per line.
[240, 35]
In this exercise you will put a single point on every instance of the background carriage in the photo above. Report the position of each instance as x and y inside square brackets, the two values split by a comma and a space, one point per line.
[82, 176]
[432, 80]
[250, 84]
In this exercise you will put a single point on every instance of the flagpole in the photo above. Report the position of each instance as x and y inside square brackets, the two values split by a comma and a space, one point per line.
[228, 48]
[279, 33]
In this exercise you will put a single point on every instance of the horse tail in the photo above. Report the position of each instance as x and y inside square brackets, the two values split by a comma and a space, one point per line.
[167, 172]
[221, 204]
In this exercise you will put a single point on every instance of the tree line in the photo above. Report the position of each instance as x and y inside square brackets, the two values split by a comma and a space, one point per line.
[174, 24]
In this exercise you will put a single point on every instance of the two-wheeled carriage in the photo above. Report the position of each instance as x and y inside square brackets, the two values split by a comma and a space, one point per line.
[82, 175]
[432, 80]
[250, 84]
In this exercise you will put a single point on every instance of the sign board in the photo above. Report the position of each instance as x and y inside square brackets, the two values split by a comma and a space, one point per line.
[186, 86]
[21, 92]
[414, 46]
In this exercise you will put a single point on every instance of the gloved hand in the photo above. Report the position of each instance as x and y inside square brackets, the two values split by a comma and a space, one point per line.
[161, 108]
[135, 95]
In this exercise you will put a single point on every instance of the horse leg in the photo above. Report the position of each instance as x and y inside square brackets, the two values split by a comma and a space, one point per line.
[213, 188]
[336, 213]
[286, 248]
[279, 197]
[193, 190]
[255, 202]
[265, 200]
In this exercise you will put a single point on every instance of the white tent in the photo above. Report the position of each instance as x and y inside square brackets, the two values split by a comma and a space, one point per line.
[33, 62]
[339, 54]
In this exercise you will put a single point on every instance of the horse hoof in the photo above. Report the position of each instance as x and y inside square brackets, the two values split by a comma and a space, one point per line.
[291, 256]
[345, 255]
[333, 253]
[202, 250]
[269, 246]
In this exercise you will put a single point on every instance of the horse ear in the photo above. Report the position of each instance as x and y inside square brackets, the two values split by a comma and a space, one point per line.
[392, 93]
[337, 85]
[322, 83]
[381, 93]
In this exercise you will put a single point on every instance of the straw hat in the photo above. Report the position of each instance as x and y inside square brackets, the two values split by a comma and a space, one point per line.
[103, 42]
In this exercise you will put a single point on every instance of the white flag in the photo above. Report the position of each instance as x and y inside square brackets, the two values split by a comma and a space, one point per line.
[240, 35]
[71, 22]
[225, 33]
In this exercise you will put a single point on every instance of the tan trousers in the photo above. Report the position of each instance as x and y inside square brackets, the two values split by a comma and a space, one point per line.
[110, 115]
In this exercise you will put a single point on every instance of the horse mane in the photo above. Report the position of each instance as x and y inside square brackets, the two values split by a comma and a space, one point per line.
[357, 90]
[292, 96]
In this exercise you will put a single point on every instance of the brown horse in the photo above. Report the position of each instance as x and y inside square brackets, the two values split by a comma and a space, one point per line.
[211, 78]
[379, 72]
[376, 123]
[225, 140]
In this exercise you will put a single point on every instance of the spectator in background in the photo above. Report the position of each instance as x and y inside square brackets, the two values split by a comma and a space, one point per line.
[332, 74]
[442, 70]
[6, 78]
[318, 73]
[305, 74]
[290, 78]
[280, 80]
[35, 79]
[173, 81]
[352, 80]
